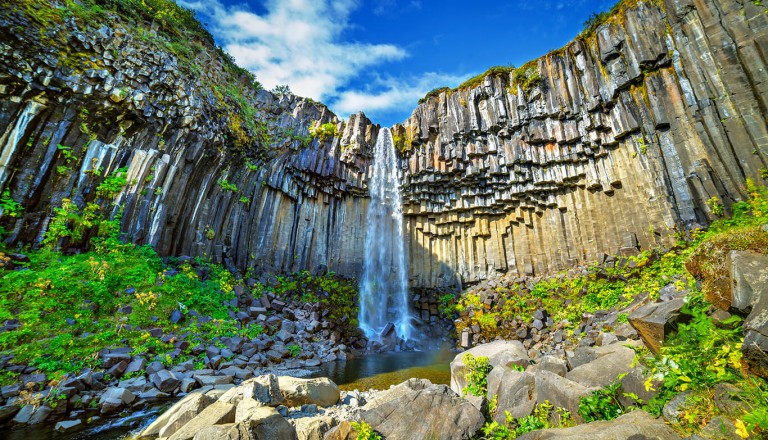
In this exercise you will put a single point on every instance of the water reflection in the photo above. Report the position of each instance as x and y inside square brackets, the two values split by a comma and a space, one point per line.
[381, 370]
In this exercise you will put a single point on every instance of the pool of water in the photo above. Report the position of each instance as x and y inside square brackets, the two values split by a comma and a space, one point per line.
[380, 370]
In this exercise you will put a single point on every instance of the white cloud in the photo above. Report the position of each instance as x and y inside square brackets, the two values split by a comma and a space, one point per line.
[389, 93]
[295, 42]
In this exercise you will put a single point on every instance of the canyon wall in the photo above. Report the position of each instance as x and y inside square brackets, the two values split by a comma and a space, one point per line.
[626, 137]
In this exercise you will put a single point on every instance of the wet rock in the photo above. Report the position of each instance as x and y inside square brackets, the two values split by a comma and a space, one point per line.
[67, 426]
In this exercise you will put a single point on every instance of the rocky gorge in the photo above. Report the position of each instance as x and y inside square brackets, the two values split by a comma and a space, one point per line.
[551, 217]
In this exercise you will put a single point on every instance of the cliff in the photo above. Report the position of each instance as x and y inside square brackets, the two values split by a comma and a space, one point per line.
[616, 141]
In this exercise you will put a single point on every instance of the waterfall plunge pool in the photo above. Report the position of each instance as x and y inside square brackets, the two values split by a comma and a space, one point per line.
[380, 370]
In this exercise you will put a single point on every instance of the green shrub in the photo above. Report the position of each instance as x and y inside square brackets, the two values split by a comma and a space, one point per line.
[365, 431]
[476, 374]
[9, 206]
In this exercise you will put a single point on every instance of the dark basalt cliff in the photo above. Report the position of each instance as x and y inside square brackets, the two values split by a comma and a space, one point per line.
[627, 135]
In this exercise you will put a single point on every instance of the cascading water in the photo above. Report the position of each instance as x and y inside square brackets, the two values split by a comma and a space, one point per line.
[384, 287]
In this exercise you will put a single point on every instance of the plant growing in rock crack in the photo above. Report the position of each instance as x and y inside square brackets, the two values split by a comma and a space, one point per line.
[365, 431]
[476, 374]
[603, 404]
[294, 350]
[8, 206]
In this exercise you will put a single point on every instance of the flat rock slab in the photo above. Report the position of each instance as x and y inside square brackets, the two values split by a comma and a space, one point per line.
[612, 360]
[434, 412]
[637, 425]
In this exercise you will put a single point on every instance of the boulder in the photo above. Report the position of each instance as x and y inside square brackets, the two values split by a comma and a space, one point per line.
[561, 392]
[749, 273]
[165, 381]
[67, 426]
[115, 398]
[296, 392]
[313, 428]
[342, 431]
[581, 356]
[217, 413]
[749, 277]
[549, 363]
[498, 352]
[434, 412]
[266, 423]
[654, 321]
[515, 392]
[636, 425]
[265, 389]
[634, 383]
[612, 361]
[7, 412]
[178, 415]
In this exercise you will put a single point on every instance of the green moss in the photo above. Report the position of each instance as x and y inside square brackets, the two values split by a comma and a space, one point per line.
[434, 93]
[496, 71]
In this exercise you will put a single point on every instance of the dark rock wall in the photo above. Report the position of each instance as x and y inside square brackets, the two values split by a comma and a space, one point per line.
[627, 136]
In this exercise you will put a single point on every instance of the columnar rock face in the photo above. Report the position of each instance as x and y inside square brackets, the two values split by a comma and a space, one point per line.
[623, 141]
[627, 136]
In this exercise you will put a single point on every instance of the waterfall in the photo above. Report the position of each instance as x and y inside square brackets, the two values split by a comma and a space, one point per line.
[384, 287]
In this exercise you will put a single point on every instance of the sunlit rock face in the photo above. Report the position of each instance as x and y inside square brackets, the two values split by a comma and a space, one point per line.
[621, 144]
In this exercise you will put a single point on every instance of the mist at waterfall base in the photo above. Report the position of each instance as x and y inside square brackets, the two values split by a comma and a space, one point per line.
[384, 311]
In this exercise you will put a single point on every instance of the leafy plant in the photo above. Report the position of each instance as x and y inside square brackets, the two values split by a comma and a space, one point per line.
[113, 183]
[294, 349]
[226, 186]
[715, 206]
[323, 132]
[9, 206]
[602, 404]
[476, 374]
[365, 431]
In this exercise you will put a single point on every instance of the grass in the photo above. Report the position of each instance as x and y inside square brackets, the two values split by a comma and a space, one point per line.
[78, 299]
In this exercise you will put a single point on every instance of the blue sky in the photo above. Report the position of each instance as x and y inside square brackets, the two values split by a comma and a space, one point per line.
[381, 57]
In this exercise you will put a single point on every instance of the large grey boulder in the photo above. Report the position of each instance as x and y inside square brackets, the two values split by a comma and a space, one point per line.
[217, 413]
[313, 428]
[749, 276]
[549, 363]
[165, 381]
[115, 398]
[504, 353]
[654, 321]
[178, 415]
[612, 361]
[433, 412]
[515, 392]
[637, 425]
[320, 391]
[265, 389]
[560, 392]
